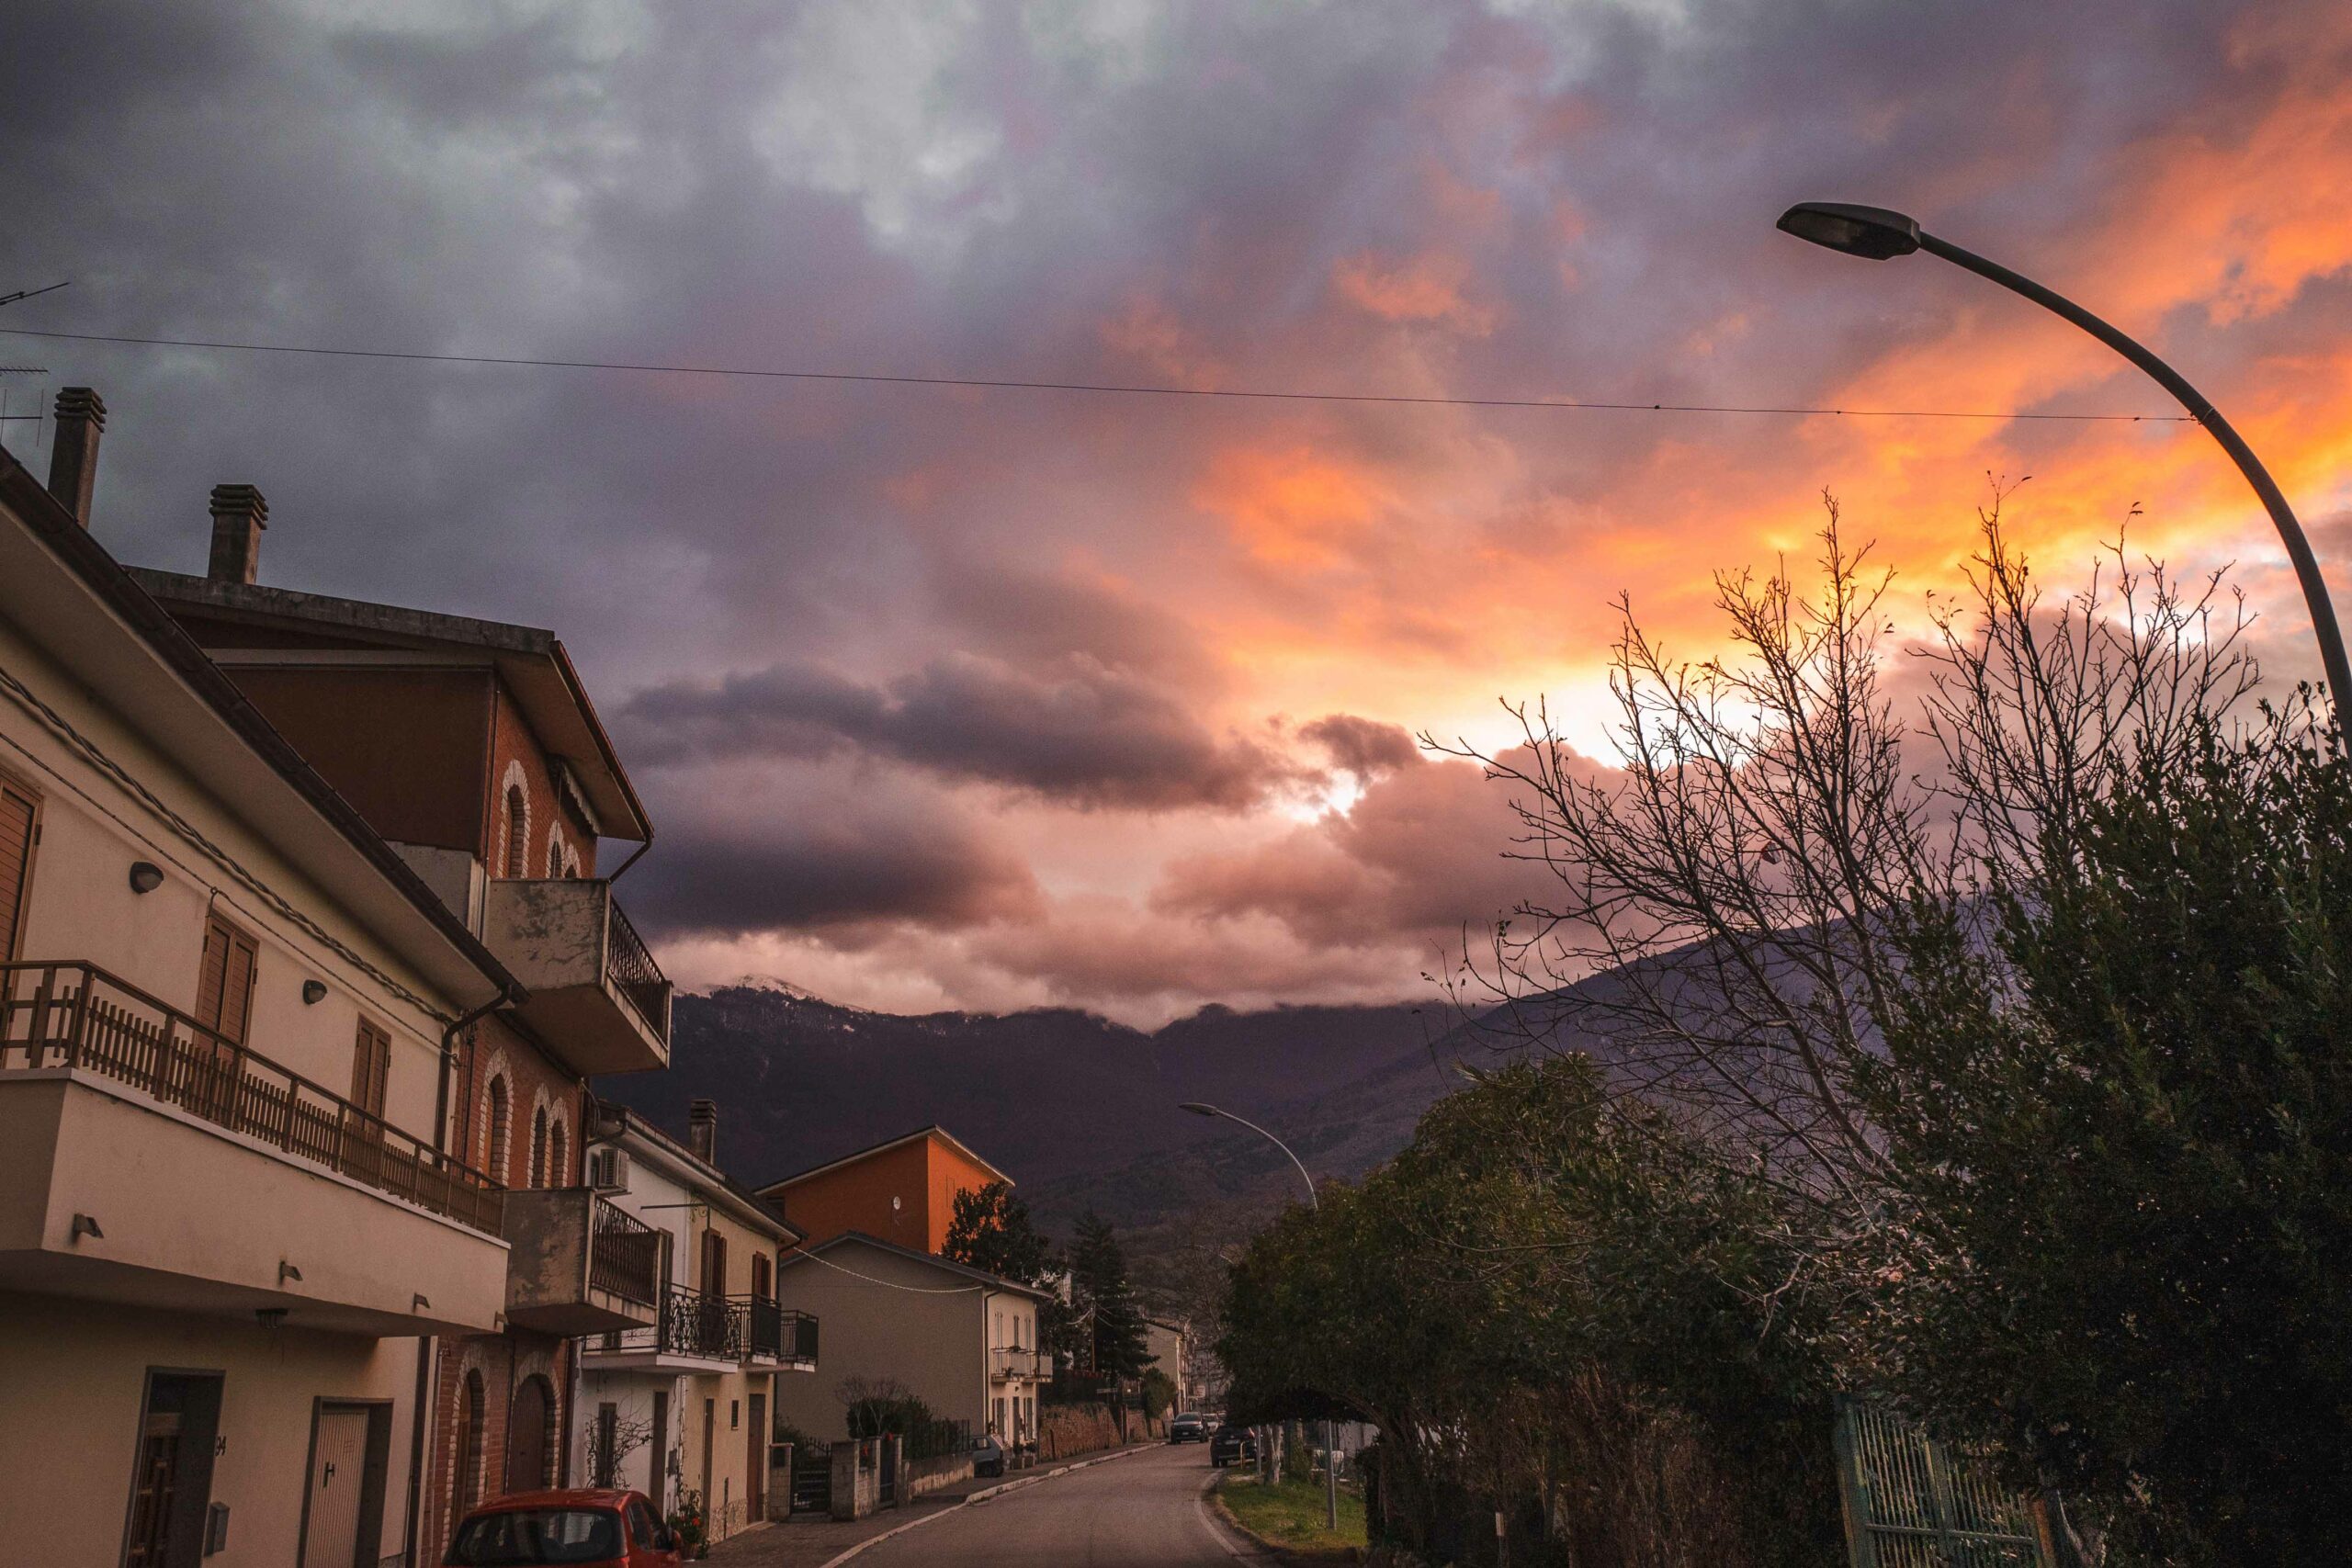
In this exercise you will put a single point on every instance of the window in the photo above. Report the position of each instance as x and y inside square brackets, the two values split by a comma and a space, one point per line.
[468, 1489]
[540, 1147]
[605, 1458]
[224, 988]
[372, 1062]
[640, 1523]
[499, 1126]
[714, 1264]
[559, 1173]
[762, 1277]
[16, 863]
[515, 860]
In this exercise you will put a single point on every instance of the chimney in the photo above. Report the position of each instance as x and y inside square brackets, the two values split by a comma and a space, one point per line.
[73, 456]
[239, 515]
[702, 1130]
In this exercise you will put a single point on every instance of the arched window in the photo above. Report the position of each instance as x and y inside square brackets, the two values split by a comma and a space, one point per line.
[559, 1173]
[515, 860]
[466, 1487]
[540, 1148]
[501, 1124]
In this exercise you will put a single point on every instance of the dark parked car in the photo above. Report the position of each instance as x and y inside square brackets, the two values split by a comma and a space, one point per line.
[578, 1529]
[1231, 1445]
[1189, 1428]
[987, 1457]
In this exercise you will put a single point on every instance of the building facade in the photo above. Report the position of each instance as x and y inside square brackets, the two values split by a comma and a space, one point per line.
[901, 1191]
[686, 1404]
[230, 1233]
[472, 747]
[962, 1341]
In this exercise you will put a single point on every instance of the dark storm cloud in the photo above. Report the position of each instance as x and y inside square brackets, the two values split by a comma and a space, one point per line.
[1364, 747]
[1074, 732]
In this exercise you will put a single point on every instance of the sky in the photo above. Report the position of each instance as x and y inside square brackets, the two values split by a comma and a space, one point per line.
[990, 698]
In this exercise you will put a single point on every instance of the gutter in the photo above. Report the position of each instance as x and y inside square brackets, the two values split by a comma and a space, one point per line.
[509, 992]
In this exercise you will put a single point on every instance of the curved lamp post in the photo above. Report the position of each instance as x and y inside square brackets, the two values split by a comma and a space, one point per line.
[1877, 234]
[1330, 1459]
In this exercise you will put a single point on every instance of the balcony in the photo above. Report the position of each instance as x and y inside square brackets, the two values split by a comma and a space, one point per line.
[156, 1162]
[775, 1337]
[577, 1264]
[692, 1332]
[596, 995]
[1037, 1366]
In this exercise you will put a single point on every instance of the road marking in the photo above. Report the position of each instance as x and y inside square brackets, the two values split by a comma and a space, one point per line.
[983, 1496]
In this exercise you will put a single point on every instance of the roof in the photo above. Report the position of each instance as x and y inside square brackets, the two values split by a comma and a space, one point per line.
[531, 660]
[934, 1131]
[946, 1265]
[633, 1124]
[72, 546]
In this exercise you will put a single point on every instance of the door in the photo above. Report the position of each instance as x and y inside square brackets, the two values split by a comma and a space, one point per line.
[709, 1447]
[755, 1463]
[154, 1489]
[661, 1487]
[528, 1423]
[171, 1483]
[338, 1477]
[224, 1001]
[15, 862]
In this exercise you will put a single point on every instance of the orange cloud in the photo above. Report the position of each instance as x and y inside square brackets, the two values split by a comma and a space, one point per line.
[1292, 505]
[1428, 288]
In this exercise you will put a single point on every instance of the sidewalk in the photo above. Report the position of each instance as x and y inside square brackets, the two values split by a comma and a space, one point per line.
[811, 1542]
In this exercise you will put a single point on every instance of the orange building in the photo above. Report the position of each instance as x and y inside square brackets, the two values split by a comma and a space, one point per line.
[902, 1192]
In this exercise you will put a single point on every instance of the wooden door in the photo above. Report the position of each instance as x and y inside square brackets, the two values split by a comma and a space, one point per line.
[709, 1447]
[755, 1460]
[371, 1063]
[661, 1487]
[714, 1264]
[153, 1492]
[527, 1426]
[338, 1479]
[15, 863]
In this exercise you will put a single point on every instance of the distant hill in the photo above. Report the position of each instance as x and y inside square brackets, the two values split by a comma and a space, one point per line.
[1077, 1109]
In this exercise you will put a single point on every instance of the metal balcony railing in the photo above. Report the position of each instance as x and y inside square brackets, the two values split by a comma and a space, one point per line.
[690, 1323]
[626, 1257]
[73, 1014]
[771, 1331]
[634, 973]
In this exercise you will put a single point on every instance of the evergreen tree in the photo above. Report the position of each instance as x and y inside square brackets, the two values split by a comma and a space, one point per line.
[990, 1230]
[1113, 1331]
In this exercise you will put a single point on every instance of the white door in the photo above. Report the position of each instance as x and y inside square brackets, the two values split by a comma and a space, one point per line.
[338, 1472]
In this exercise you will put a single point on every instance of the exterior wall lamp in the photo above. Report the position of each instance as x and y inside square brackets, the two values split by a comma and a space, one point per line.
[145, 876]
[313, 992]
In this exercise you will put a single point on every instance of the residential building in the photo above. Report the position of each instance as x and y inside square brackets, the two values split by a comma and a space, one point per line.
[231, 1230]
[472, 745]
[962, 1341]
[1169, 1342]
[687, 1403]
[901, 1191]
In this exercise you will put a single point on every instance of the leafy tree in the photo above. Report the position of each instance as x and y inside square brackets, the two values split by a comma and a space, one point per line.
[2122, 1234]
[990, 1230]
[1158, 1393]
[1111, 1319]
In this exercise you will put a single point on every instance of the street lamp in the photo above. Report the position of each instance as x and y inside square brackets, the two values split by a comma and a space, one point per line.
[1877, 234]
[1330, 1450]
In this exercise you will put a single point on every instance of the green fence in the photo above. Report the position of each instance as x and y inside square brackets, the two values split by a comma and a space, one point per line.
[1911, 1502]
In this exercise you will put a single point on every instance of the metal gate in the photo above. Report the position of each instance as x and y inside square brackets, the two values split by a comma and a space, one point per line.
[812, 1478]
[1912, 1503]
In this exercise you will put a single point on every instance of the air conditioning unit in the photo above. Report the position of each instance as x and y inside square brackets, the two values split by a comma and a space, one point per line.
[608, 1169]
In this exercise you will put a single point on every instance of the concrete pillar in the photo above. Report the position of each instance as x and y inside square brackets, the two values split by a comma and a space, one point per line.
[779, 1487]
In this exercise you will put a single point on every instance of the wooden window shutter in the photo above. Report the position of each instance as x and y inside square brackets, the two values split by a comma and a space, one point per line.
[224, 990]
[714, 1263]
[16, 861]
[372, 1062]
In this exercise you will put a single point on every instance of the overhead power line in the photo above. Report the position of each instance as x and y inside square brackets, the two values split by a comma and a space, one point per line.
[992, 383]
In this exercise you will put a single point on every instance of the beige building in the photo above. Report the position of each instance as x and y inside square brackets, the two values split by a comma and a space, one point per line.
[1169, 1342]
[962, 1341]
[686, 1404]
[227, 1233]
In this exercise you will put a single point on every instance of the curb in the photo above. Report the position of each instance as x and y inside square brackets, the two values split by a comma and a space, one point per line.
[983, 1496]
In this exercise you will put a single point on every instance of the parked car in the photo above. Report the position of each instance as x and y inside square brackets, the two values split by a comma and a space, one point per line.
[1231, 1445]
[1190, 1426]
[577, 1528]
[987, 1457]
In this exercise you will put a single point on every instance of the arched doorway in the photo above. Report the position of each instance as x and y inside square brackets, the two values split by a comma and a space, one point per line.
[530, 1436]
[466, 1482]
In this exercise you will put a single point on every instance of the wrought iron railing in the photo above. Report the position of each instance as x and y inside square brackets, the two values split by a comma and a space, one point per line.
[634, 973]
[690, 1323]
[771, 1331]
[76, 1015]
[624, 1254]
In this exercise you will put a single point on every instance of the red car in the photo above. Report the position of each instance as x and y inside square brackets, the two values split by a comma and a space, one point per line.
[578, 1529]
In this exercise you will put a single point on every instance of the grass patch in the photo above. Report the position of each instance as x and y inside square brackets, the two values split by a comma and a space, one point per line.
[1291, 1514]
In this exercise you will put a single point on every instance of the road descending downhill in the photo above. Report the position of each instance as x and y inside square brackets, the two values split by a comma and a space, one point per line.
[1144, 1512]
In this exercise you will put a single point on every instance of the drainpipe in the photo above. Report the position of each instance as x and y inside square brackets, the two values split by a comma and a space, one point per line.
[425, 1346]
[634, 855]
[508, 995]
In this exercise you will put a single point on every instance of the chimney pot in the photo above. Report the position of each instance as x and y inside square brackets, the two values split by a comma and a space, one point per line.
[239, 515]
[702, 1130]
[73, 455]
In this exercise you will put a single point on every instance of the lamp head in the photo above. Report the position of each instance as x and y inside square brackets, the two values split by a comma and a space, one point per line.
[1871, 231]
[1197, 1109]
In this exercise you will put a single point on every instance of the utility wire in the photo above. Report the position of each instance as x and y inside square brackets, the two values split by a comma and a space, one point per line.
[1117, 387]
[31, 293]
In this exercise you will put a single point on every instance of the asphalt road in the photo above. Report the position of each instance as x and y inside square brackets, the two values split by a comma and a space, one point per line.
[1143, 1512]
